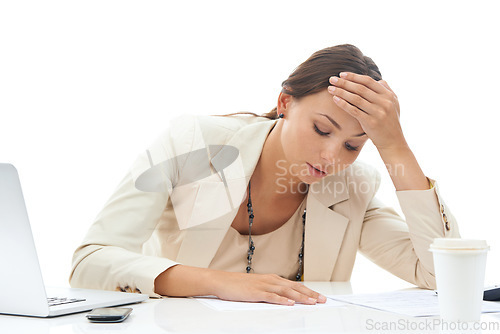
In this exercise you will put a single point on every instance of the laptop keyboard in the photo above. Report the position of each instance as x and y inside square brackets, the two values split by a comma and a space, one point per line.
[53, 301]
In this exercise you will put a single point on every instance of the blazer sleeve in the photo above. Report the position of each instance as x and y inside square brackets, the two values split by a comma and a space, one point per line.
[402, 247]
[110, 256]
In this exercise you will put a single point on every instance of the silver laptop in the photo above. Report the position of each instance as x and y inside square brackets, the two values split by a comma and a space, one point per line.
[22, 291]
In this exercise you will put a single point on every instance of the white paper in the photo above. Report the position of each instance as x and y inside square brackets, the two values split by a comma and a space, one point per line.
[224, 305]
[416, 303]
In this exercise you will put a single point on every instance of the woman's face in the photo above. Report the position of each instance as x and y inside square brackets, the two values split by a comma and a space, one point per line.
[318, 137]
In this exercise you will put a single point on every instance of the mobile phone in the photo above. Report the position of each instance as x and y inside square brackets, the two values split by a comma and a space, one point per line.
[109, 314]
[492, 294]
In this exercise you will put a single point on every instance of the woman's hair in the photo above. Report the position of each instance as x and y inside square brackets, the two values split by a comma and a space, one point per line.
[313, 74]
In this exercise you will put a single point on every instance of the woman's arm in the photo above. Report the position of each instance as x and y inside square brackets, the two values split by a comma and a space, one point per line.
[185, 281]
[110, 256]
[404, 169]
[401, 246]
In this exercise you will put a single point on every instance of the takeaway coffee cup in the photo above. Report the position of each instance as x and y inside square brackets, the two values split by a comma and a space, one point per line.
[459, 265]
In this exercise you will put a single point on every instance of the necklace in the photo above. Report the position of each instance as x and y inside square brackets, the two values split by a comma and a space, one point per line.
[251, 246]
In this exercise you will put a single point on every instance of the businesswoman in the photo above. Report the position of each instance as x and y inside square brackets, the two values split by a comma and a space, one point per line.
[244, 206]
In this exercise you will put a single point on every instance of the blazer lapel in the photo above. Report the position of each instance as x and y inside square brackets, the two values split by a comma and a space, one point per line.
[326, 224]
[217, 202]
[202, 241]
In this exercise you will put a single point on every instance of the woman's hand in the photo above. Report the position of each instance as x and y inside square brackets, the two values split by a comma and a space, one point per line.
[186, 281]
[376, 107]
[263, 288]
[373, 104]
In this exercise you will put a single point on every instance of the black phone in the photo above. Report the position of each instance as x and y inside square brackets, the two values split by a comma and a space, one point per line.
[109, 314]
[492, 294]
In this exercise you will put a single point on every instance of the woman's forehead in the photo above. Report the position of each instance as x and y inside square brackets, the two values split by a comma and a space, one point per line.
[321, 105]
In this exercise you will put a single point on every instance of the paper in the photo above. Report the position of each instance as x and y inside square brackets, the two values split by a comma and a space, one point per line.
[224, 305]
[419, 303]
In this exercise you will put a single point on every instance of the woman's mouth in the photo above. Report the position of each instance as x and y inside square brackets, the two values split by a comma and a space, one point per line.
[315, 171]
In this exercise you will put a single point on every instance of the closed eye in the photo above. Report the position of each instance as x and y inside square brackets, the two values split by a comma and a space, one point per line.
[348, 146]
[351, 148]
[321, 133]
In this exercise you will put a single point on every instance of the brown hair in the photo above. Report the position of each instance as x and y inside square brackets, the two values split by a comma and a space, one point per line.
[313, 74]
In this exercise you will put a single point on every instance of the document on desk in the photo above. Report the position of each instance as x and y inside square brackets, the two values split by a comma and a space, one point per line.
[224, 305]
[415, 303]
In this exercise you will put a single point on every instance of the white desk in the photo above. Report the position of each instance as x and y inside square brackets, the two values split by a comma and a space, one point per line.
[185, 315]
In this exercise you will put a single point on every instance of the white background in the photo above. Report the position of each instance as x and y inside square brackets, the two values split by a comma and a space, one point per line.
[85, 86]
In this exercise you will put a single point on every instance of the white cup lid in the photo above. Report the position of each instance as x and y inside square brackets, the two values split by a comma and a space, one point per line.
[456, 243]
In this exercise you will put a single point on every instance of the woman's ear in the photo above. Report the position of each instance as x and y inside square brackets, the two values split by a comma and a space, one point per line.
[284, 102]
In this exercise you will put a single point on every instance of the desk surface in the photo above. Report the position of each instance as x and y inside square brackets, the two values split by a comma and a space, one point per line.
[186, 315]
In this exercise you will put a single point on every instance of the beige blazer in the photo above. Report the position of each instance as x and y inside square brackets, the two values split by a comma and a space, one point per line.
[184, 215]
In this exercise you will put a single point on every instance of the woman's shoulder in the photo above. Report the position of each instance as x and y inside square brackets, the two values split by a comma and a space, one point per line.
[211, 125]
[189, 132]
[187, 136]
[231, 123]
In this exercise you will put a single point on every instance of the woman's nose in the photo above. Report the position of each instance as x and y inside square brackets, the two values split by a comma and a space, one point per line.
[331, 153]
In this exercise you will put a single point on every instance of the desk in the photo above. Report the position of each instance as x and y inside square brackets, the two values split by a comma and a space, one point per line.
[186, 315]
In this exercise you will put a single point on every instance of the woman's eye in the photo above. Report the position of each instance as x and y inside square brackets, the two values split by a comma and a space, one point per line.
[321, 133]
[351, 148]
[348, 146]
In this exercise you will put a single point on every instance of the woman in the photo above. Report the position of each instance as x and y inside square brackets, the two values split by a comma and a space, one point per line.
[241, 206]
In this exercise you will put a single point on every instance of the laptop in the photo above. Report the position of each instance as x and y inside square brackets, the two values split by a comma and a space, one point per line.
[22, 291]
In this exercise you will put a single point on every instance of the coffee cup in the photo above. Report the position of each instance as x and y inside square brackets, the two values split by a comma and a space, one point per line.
[459, 266]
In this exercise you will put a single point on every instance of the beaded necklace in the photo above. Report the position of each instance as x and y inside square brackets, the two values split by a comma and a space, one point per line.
[251, 246]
